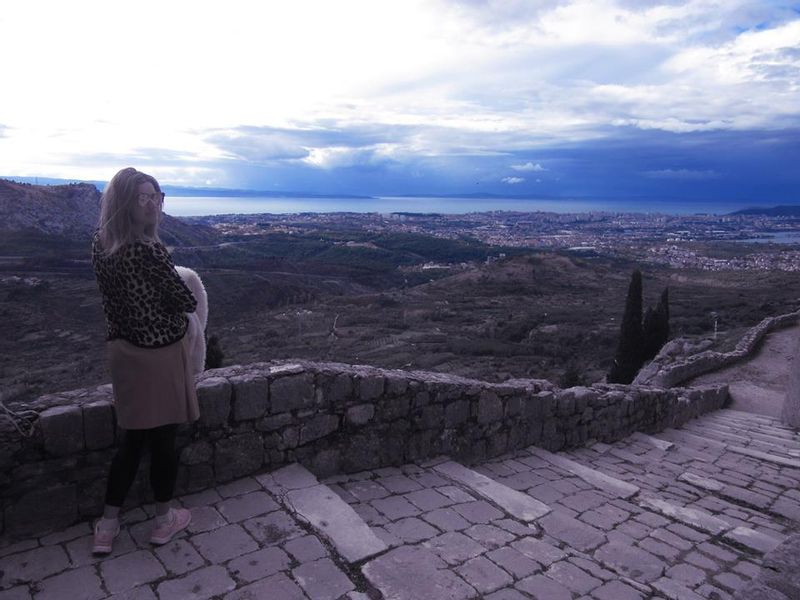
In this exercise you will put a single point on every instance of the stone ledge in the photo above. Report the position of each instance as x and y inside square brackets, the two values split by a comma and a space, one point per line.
[333, 418]
[664, 371]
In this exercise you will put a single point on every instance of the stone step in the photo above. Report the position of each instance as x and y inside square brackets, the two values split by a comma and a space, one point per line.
[752, 433]
[694, 478]
[600, 480]
[756, 427]
[755, 541]
[731, 493]
[681, 437]
[737, 440]
[694, 518]
[651, 440]
[701, 520]
[709, 429]
[748, 417]
[325, 511]
[517, 504]
[778, 460]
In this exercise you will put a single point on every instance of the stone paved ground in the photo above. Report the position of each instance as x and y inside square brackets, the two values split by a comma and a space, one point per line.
[686, 514]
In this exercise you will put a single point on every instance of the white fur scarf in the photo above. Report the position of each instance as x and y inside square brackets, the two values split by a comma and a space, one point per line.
[197, 319]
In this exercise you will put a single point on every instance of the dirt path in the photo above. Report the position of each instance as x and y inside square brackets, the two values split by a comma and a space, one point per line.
[759, 384]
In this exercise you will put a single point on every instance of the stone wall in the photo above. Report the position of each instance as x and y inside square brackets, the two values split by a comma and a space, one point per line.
[672, 367]
[330, 417]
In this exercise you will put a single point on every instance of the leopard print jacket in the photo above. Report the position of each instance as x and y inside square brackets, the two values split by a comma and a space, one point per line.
[144, 298]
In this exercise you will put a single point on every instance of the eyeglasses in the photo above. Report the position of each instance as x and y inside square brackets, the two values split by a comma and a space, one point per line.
[156, 198]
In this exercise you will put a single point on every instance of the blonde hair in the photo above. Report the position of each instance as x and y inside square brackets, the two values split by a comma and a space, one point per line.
[115, 226]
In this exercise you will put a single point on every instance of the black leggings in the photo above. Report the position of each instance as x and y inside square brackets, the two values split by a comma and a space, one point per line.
[163, 463]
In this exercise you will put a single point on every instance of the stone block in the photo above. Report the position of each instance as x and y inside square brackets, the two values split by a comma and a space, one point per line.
[422, 444]
[292, 392]
[497, 443]
[584, 397]
[422, 398]
[62, 430]
[238, 455]
[289, 438]
[271, 423]
[52, 507]
[197, 453]
[327, 462]
[429, 417]
[565, 403]
[91, 496]
[393, 447]
[456, 413]
[336, 390]
[390, 409]
[532, 408]
[370, 387]
[360, 414]
[362, 452]
[199, 477]
[317, 427]
[490, 407]
[396, 385]
[98, 424]
[514, 404]
[250, 396]
[214, 398]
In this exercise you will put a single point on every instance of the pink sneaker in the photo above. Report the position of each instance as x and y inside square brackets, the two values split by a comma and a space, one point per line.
[104, 539]
[179, 519]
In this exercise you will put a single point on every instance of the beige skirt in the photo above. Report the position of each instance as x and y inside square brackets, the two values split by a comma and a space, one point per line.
[152, 386]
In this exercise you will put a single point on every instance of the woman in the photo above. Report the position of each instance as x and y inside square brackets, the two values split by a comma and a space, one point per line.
[145, 303]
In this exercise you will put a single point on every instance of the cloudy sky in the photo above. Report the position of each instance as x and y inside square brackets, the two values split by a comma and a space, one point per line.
[574, 98]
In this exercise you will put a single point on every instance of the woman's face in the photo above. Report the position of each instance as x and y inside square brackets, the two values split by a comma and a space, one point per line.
[146, 207]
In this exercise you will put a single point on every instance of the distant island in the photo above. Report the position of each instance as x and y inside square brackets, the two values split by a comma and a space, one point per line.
[774, 211]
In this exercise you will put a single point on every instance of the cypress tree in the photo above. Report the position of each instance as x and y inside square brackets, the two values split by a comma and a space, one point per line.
[630, 351]
[655, 328]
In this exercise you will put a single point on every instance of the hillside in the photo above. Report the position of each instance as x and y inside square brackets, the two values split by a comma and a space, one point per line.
[326, 289]
[40, 220]
[775, 211]
[69, 211]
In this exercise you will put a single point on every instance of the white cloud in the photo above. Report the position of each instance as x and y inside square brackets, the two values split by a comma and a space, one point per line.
[464, 78]
[528, 166]
[333, 157]
[513, 180]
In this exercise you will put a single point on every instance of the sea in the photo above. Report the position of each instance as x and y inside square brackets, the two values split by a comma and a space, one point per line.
[185, 206]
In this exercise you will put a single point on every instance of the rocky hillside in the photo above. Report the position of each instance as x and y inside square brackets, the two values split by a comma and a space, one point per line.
[71, 211]
[65, 210]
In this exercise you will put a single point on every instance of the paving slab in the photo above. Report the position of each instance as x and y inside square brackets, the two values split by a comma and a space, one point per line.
[689, 516]
[652, 441]
[76, 584]
[594, 477]
[324, 510]
[131, 570]
[517, 504]
[322, 580]
[414, 573]
[705, 483]
[572, 532]
[276, 587]
[198, 585]
[631, 561]
[778, 460]
[32, 565]
[681, 436]
[754, 540]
